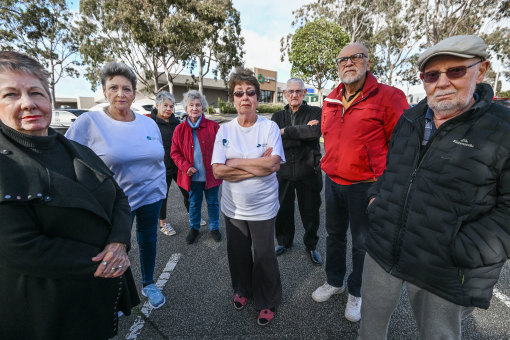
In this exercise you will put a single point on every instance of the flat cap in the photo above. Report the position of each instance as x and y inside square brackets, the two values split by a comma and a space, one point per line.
[463, 46]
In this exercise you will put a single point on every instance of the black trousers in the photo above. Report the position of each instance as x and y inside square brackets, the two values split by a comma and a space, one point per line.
[252, 261]
[308, 192]
[346, 207]
[185, 196]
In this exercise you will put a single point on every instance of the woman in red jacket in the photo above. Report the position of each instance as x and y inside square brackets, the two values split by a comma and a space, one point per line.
[192, 147]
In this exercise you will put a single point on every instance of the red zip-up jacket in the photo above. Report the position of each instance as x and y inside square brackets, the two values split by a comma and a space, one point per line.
[182, 151]
[356, 139]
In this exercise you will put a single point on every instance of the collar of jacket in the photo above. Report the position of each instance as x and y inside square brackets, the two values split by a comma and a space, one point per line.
[370, 85]
[203, 122]
[171, 120]
[288, 109]
[483, 90]
[23, 179]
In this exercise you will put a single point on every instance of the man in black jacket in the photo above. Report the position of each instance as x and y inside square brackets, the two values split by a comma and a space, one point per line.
[440, 212]
[300, 129]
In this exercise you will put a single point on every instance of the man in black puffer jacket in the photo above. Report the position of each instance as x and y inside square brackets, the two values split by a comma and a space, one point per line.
[300, 127]
[440, 213]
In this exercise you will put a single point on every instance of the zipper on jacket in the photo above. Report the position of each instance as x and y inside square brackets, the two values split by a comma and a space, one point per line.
[362, 99]
[403, 218]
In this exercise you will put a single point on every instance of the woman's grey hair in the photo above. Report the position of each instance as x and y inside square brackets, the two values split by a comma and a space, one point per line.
[11, 61]
[164, 95]
[296, 80]
[113, 69]
[192, 95]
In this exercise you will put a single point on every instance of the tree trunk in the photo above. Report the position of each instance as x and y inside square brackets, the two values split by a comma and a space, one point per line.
[52, 85]
[200, 75]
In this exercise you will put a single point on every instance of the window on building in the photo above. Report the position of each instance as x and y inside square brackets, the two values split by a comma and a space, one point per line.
[266, 96]
[279, 97]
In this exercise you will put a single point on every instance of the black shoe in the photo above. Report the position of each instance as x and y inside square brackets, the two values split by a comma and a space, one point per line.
[192, 236]
[315, 257]
[216, 235]
[280, 250]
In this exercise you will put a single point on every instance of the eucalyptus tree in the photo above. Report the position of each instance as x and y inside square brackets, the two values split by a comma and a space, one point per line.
[157, 38]
[222, 45]
[40, 28]
[313, 49]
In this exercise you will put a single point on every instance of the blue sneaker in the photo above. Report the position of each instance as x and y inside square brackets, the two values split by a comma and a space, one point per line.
[156, 299]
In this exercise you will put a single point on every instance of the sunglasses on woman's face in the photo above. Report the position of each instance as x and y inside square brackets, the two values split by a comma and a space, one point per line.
[250, 93]
[452, 73]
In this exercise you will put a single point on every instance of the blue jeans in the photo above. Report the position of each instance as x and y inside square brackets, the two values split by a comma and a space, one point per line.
[196, 196]
[146, 237]
[345, 208]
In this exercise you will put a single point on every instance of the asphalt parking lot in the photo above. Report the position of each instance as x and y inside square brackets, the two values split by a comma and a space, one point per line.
[197, 288]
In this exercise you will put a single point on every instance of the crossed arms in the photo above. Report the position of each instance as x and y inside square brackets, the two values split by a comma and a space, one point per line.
[238, 169]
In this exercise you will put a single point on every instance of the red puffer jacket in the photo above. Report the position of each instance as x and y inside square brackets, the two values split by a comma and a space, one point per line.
[356, 139]
[183, 149]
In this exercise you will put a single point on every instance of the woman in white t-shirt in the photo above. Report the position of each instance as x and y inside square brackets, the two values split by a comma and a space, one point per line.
[130, 145]
[247, 154]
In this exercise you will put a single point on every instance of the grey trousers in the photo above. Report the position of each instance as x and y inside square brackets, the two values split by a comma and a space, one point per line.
[254, 272]
[437, 318]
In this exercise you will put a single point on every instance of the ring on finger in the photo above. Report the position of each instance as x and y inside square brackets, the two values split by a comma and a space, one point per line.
[105, 263]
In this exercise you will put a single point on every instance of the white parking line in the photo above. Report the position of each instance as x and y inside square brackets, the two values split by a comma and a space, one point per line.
[146, 309]
[505, 299]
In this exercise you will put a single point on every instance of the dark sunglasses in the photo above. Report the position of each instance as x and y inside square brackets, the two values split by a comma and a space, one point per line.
[452, 73]
[250, 93]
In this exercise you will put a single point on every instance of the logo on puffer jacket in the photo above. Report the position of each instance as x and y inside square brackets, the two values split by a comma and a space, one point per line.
[263, 145]
[151, 138]
[225, 142]
[463, 142]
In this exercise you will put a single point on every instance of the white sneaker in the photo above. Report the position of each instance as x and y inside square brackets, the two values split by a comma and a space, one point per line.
[324, 292]
[202, 222]
[353, 308]
[167, 229]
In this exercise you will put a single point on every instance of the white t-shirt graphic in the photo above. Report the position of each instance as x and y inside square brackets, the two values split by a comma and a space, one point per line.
[252, 199]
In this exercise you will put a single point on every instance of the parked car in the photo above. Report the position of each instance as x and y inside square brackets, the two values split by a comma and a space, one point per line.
[502, 101]
[141, 109]
[179, 112]
[63, 118]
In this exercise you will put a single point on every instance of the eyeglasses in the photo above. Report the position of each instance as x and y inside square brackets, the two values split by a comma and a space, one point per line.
[250, 93]
[452, 73]
[298, 92]
[355, 58]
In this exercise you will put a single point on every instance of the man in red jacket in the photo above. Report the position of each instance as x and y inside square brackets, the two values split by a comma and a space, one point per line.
[357, 120]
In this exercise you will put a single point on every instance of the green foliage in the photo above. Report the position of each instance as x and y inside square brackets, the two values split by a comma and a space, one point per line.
[221, 49]
[157, 38]
[395, 31]
[270, 108]
[313, 50]
[40, 28]
[505, 94]
[226, 107]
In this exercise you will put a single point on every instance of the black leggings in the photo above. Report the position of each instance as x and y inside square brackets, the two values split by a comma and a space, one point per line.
[185, 196]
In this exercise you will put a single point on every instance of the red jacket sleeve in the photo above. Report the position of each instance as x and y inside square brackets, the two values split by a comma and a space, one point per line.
[394, 111]
[177, 150]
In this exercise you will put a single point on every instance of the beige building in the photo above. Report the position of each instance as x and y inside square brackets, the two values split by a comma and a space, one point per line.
[214, 89]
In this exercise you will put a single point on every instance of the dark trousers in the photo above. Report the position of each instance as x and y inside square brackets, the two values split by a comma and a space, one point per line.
[185, 196]
[345, 207]
[308, 191]
[254, 273]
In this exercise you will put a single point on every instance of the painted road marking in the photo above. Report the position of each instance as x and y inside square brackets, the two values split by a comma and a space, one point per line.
[505, 299]
[146, 309]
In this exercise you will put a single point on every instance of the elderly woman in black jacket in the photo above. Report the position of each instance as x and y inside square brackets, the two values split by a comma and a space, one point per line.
[64, 222]
[163, 115]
